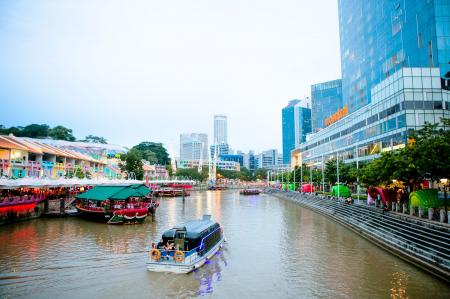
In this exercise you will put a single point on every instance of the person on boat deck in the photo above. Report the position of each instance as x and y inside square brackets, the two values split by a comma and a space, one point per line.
[168, 247]
[160, 244]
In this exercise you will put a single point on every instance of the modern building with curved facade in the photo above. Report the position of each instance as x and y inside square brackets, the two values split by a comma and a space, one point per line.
[395, 64]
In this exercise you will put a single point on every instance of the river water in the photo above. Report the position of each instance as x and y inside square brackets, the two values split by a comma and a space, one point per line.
[274, 249]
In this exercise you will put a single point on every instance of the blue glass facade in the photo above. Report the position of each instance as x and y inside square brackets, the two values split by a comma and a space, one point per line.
[378, 37]
[288, 127]
[326, 99]
[305, 125]
[296, 123]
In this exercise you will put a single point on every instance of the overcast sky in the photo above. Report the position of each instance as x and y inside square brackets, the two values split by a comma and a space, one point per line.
[149, 70]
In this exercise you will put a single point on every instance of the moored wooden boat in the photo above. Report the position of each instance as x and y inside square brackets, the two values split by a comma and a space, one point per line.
[250, 192]
[114, 204]
[170, 192]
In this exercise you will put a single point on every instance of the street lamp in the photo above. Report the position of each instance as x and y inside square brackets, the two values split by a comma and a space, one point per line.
[444, 182]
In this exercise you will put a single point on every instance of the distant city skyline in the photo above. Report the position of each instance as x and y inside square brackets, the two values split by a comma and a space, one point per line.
[164, 68]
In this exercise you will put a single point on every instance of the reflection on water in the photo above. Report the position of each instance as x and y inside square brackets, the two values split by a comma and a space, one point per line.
[210, 273]
[275, 249]
[399, 282]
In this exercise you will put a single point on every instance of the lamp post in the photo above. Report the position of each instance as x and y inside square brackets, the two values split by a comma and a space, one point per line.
[444, 182]
[294, 177]
[301, 177]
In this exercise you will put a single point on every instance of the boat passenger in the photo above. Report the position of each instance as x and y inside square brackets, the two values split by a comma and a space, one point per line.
[168, 248]
[160, 244]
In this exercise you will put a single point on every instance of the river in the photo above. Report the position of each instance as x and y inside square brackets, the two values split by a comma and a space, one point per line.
[274, 249]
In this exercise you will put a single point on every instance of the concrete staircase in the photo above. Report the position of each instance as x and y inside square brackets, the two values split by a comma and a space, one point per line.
[425, 243]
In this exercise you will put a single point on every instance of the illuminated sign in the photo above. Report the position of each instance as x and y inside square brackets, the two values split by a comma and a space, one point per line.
[337, 116]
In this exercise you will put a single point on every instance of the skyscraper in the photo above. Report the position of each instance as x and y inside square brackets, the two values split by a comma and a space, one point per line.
[194, 146]
[395, 78]
[296, 123]
[220, 129]
[326, 99]
[378, 37]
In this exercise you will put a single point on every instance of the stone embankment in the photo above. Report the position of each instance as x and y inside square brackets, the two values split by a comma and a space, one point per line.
[424, 243]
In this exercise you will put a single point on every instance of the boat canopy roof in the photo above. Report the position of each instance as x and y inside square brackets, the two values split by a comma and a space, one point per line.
[194, 228]
[101, 193]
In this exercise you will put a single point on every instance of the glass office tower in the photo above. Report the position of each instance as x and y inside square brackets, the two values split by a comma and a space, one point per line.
[326, 99]
[378, 37]
[296, 124]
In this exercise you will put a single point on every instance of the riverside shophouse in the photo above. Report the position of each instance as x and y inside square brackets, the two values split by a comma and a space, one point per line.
[22, 157]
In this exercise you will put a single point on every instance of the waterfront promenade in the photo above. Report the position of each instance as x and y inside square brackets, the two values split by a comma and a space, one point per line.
[424, 243]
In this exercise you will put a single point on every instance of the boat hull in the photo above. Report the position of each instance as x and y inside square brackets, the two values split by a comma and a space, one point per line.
[187, 267]
[116, 217]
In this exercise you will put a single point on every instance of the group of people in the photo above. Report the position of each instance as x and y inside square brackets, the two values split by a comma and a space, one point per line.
[165, 248]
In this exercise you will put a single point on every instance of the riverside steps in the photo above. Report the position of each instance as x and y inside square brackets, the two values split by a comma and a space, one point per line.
[424, 243]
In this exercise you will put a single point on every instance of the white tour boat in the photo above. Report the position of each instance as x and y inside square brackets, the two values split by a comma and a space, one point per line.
[194, 243]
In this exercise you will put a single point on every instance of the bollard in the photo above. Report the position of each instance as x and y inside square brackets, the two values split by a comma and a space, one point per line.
[61, 205]
[404, 208]
[411, 211]
[46, 206]
[430, 213]
[441, 215]
[420, 212]
[448, 217]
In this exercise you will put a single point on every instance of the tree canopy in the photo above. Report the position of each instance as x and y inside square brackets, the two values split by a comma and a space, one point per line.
[32, 131]
[153, 152]
[426, 156]
[95, 139]
[132, 163]
[193, 174]
[61, 133]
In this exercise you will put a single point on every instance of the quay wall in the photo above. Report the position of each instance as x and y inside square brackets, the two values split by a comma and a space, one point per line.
[426, 244]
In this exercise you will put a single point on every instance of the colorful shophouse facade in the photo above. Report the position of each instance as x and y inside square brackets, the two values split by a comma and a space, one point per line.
[26, 157]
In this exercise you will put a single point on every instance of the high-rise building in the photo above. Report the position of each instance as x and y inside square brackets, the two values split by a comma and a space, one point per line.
[326, 99]
[194, 146]
[268, 159]
[220, 129]
[222, 149]
[250, 161]
[378, 37]
[296, 123]
[234, 158]
[395, 77]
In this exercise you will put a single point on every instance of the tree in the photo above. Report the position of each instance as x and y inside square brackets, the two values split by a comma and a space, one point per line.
[245, 175]
[424, 157]
[261, 174]
[430, 148]
[159, 151]
[132, 163]
[61, 133]
[193, 173]
[229, 174]
[330, 171]
[95, 139]
[35, 131]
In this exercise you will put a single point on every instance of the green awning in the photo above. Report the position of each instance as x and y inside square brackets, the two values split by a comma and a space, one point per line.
[101, 193]
[131, 192]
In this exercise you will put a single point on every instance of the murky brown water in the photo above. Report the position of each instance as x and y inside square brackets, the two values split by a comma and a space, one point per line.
[275, 249]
